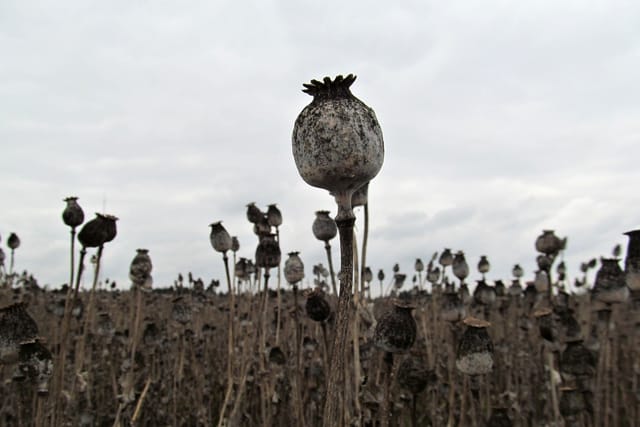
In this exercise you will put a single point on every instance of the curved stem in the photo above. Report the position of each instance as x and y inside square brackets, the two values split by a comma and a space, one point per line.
[334, 405]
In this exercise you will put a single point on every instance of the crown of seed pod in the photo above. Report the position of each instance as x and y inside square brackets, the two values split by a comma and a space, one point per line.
[396, 330]
[610, 285]
[293, 268]
[274, 216]
[16, 327]
[268, 252]
[254, 214]
[413, 375]
[632, 261]
[550, 244]
[418, 265]
[72, 215]
[499, 418]
[475, 349]
[337, 141]
[140, 269]
[98, 231]
[317, 307]
[219, 237]
[13, 242]
[460, 266]
[517, 271]
[36, 364]
[483, 265]
[577, 360]
[235, 244]
[324, 227]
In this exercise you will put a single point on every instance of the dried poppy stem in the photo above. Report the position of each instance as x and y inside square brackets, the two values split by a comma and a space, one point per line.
[386, 402]
[355, 333]
[230, 343]
[327, 248]
[136, 413]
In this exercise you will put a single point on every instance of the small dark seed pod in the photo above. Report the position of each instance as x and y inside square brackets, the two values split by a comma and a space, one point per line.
[414, 376]
[16, 327]
[73, 214]
[396, 330]
[446, 258]
[317, 307]
[274, 216]
[254, 214]
[324, 227]
[13, 242]
[276, 356]
[268, 252]
[577, 360]
[610, 286]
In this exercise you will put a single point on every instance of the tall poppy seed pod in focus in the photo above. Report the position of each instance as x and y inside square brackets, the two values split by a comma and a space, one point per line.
[337, 141]
[483, 265]
[317, 307]
[16, 327]
[254, 214]
[13, 242]
[73, 214]
[517, 271]
[219, 237]
[550, 244]
[324, 227]
[475, 349]
[140, 268]
[396, 330]
[460, 266]
[274, 216]
[268, 252]
[36, 364]
[632, 261]
[293, 268]
[610, 285]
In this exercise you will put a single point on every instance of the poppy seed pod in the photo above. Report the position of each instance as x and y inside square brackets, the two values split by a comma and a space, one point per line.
[317, 307]
[367, 275]
[452, 309]
[541, 281]
[293, 268]
[36, 363]
[274, 216]
[140, 269]
[632, 261]
[381, 275]
[261, 227]
[446, 258]
[550, 244]
[16, 327]
[324, 227]
[517, 271]
[98, 231]
[219, 237]
[235, 244]
[268, 252]
[577, 360]
[475, 349]
[13, 242]
[515, 290]
[254, 214]
[396, 330]
[419, 265]
[413, 375]
[460, 266]
[544, 262]
[433, 275]
[484, 294]
[72, 215]
[398, 280]
[610, 285]
[337, 141]
[483, 264]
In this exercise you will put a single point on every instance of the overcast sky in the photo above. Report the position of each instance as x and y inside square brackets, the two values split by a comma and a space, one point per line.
[500, 119]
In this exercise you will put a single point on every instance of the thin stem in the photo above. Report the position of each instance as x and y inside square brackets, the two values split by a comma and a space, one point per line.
[230, 343]
[386, 401]
[327, 248]
[365, 240]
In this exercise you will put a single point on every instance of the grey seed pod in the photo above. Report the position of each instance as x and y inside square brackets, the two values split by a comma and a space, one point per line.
[293, 268]
[274, 216]
[324, 227]
[268, 252]
[72, 215]
[219, 237]
[140, 268]
[475, 349]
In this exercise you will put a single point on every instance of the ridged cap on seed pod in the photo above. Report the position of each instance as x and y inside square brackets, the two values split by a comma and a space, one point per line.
[274, 216]
[396, 330]
[517, 271]
[268, 252]
[36, 364]
[219, 237]
[317, 307]
[13, 242]
[632, 261]
[140, 268]
[73, 215]
[474, 355]
[293, 268]
[550, 244]
[254, 214]
[483, 265]
[460, 266]
[360, 196]
[337, 141]
[98, 231]
[324, 227]
[610, 286]
[577, 360]
[235, 244]
[413, 374]
[16, 327]
[499, 418]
